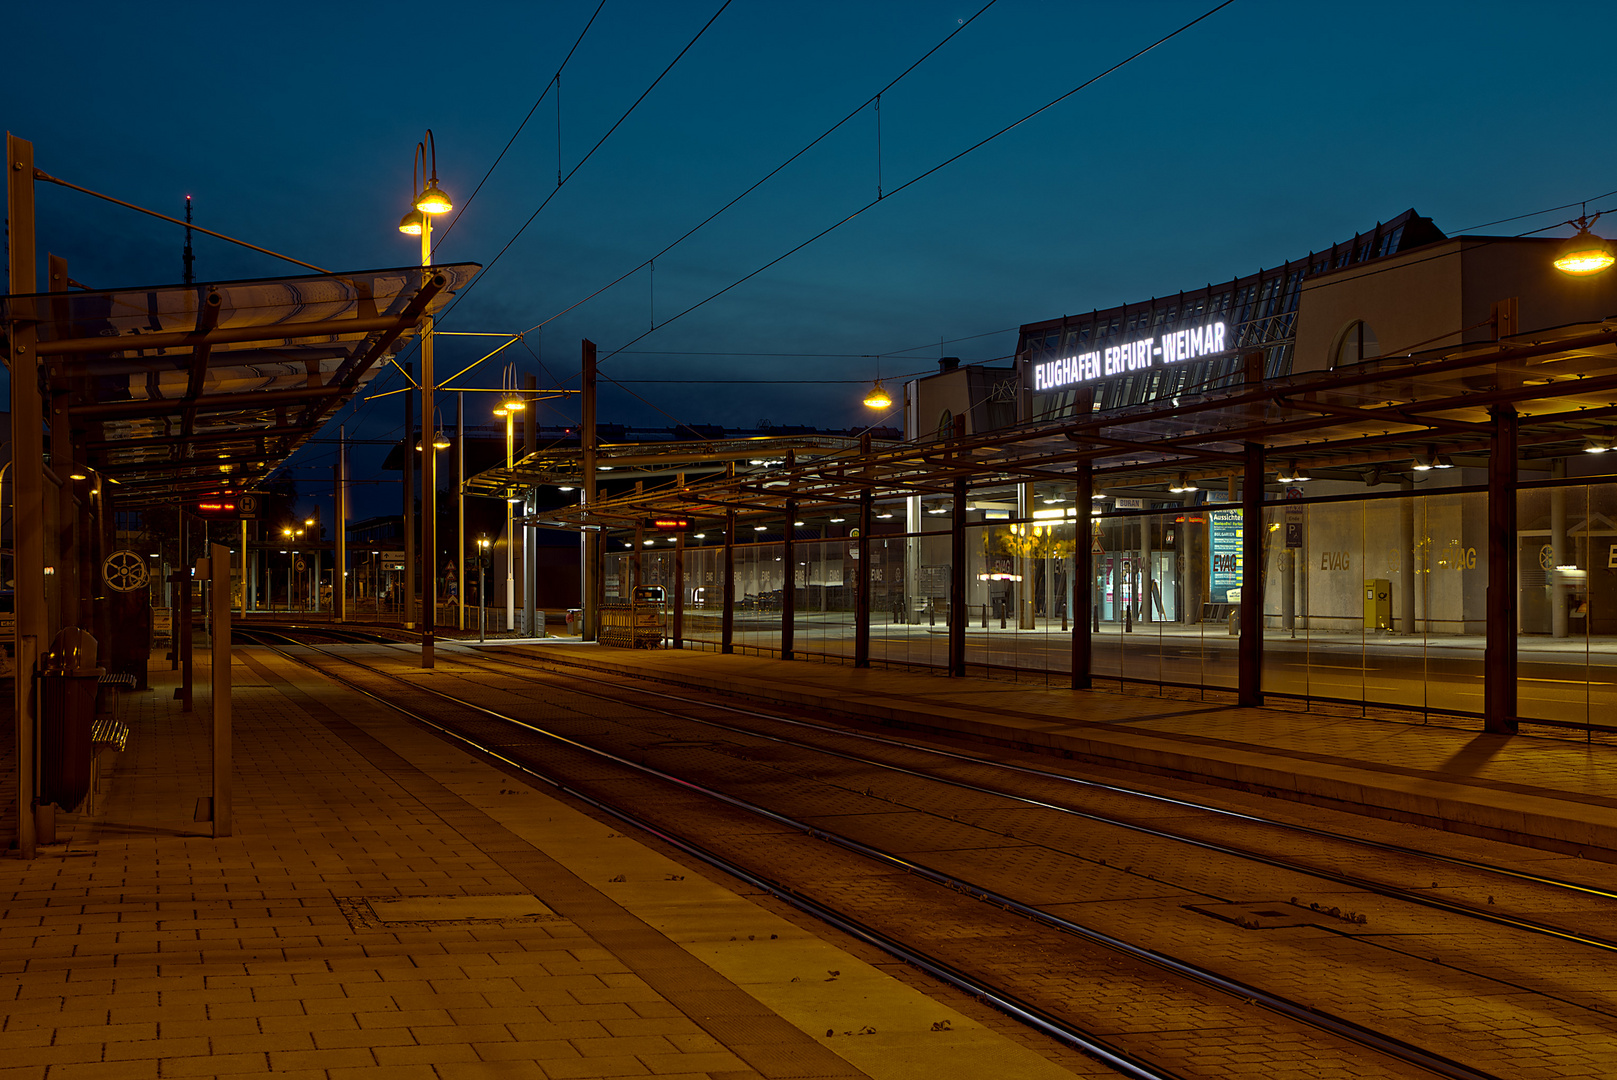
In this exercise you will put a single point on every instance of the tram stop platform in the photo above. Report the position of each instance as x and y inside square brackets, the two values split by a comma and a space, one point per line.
[1556, 791]
[389, 906]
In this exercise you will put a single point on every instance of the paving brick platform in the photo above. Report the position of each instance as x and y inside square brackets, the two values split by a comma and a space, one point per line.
[390, 906]
[1559, 794]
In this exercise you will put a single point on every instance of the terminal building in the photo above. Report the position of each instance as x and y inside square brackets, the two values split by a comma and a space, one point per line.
[1370, 477]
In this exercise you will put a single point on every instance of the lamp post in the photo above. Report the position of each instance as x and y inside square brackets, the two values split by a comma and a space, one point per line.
[430, 202]
[482, 601]
[286, 537]
[509, 409]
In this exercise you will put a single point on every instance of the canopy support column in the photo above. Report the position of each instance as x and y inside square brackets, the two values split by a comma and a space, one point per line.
[1083, 576]
[788, 586]
[1499, 656]
[1249, 662]
[727, 618]
[861, 590]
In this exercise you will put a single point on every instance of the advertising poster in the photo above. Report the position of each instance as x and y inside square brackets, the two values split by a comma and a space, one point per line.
[1224, 543]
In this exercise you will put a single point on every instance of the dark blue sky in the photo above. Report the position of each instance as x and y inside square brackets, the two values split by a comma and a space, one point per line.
[1266, 131]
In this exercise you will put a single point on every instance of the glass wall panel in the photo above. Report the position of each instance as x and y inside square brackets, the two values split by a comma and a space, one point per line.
[824, 625]
[1451, 557]
[1377, 603]
[1565, 652]
[704, 596]
[1597, 602]
[1374, 603]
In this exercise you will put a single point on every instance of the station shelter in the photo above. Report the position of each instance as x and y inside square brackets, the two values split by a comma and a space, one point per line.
[138, 412]
[1373, 477]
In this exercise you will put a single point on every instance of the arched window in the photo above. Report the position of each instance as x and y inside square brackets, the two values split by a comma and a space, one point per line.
[1355, 344]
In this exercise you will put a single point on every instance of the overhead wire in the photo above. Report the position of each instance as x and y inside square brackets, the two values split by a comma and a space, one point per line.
[1539, 213]
[562, 180]
[949, 161]
[583, 160]
[772, 172]
[555, 81]
[692, 231]
[936, 168]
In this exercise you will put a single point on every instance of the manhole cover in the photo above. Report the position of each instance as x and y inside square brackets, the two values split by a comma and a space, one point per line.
[385, 912]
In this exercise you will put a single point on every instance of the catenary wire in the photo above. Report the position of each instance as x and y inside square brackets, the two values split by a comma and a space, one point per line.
[582, 161]
[772, 172]
[554, 81]
[922, 176]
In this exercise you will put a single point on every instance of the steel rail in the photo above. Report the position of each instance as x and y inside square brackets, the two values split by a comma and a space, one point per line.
[1115, 1057]
[1391, 892]
[1276, 1003]
[1098, 785]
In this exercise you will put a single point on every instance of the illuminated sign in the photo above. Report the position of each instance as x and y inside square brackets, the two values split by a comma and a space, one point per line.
[668, 524]
[216, 509]
[1173, 348]
[1225, 545]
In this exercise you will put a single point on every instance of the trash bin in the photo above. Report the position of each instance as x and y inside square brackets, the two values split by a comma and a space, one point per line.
[68, 681]
[575, 620]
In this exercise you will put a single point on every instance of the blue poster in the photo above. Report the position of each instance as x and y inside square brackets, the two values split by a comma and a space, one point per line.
[1224, 542]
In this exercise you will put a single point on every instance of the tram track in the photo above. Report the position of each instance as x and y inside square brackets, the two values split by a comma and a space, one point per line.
[1394, 892]
[1337, 1027]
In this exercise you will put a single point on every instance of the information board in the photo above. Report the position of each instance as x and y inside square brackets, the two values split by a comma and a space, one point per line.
[1224, 542]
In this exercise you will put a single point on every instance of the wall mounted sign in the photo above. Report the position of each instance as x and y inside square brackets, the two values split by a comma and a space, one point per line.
[1224, 542]
[1171, 348]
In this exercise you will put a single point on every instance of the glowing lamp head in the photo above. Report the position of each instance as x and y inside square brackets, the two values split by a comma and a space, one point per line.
[410, 223]
[878, 398]
[1584, 254]
[513, 405]
[433, 200]
[440, 442]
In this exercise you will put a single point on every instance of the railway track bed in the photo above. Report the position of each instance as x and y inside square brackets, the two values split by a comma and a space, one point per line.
[1106, 917]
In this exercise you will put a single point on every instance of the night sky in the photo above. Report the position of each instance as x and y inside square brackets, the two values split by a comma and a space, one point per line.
[1263, 132]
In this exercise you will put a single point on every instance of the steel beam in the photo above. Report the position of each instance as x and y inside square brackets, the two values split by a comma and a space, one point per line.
[788, 587]
[230, 335]
[1249, 659]
[1499, 652]
[678, 640]
[27, 476]
[727, 618]
[1083, 578]
[588, 497]
[957, 582]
